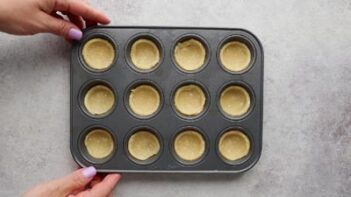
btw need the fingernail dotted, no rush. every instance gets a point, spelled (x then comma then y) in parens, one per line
(75, 34)
(89, 172)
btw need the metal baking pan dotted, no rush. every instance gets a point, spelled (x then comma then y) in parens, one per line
(166, 123)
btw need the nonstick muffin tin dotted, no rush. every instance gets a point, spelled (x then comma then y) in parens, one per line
(215, 124)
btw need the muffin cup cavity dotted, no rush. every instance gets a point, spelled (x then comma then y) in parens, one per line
(236, 54)
(98, 53)
(143, 99)
(235, 100)
(190, 53)
(189, 146)
(234, 146)
(144, 53)
(97, 99)
(143, 146)
(190, 100)
(97, 144)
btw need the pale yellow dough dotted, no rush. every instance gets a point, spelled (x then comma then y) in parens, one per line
(143, 145)
(144, 54)
(98, 53)
(99, 143)
(189, 145)
(190, 100)
(190, 55)
(235, 56)
(235, 101)
(99, 100)
(144, 100)
(234, 145)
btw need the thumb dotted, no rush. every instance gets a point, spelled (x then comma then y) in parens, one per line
(76, 180)
(62, 28)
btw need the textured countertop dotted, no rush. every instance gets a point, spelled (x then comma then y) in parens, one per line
(307, 105)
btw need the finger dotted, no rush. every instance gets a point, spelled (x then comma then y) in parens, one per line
(54, 14)
(77, 20)
(76, 181)
(61, 27)
(106, 186)
(97, 179)
(82, 9)
(89, 23)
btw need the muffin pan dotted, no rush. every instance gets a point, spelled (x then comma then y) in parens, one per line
(167, 99)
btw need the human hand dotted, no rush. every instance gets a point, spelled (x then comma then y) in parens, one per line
(28, 17)
(77, 185)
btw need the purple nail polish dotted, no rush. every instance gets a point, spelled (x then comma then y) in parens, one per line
(75, 34)
(89, 172)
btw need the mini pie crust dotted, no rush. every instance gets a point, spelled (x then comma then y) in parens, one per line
(144, 54)
(190, 55)
(189, 145)
(99, 143)
(98, 53)
(235, 56)
(235, 101)
(143, 145)
(234, 145)
(190, 100)
(144, 100)
(99, 100)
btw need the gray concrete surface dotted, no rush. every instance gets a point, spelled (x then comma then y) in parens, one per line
(307, 105)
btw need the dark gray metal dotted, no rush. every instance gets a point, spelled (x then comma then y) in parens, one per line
(166, 123)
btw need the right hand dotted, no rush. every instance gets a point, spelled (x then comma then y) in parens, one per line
(81, 183)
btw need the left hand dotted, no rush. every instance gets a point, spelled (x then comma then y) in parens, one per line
(28, 17)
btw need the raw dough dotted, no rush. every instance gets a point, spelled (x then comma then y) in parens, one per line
(143, 145)
(234, 145)
(190, 100)
(190, 55)
(189, 145)
(144, 100)
(235, 101)
(98, 53)
(144, 54)
(99, 143)
(99, 100)
(235, 56)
